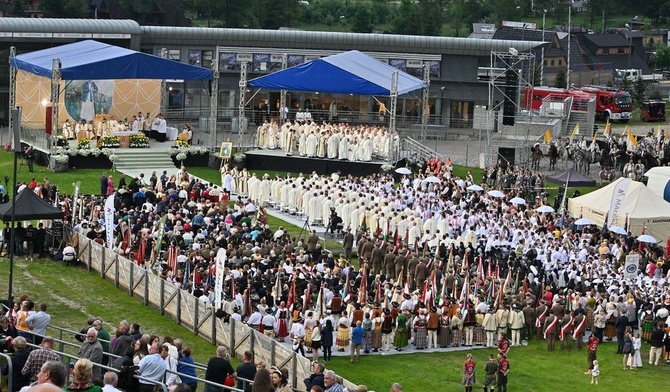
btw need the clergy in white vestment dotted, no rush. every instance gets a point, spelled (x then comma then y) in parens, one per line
(333, 145)
(311, 145)
(343, 149)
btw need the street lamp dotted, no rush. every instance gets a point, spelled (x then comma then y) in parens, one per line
(544, 18)
(630, 49)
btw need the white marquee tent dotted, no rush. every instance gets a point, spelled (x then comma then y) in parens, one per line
(642, 207)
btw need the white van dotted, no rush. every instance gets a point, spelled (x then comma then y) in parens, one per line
(657, 180)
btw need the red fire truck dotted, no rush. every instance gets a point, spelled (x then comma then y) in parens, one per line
(611, 103)
(534, 97)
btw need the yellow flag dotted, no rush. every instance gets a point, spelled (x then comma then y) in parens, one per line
(631, 138)
(608, 128)
(574, 132)
(547, 136)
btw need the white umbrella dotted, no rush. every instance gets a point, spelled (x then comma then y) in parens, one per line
(432, 179)
(496, 194)
(584, 222)
(618, 230)
(474, 188)
(518, 200)
(403, 170)
(545, 209)
(647, 238)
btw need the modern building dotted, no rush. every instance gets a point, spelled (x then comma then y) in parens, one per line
(455, 65)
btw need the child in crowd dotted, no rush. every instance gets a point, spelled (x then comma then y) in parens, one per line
(595, 372)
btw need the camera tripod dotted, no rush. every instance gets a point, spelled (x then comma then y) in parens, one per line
(305, 228)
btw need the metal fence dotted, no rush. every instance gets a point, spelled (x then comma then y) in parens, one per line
(188, 311)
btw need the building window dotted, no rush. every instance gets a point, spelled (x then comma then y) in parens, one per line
(552, 63)
(545, 63)
(207, 56)
(174, 54)
(560, 62)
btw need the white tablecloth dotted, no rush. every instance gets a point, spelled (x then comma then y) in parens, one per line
(124, 133)
(172, 133)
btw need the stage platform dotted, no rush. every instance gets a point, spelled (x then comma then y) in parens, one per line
(277, 160)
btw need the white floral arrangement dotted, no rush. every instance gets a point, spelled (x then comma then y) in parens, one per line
(106, 151)
(239, 157)
(178, 150)
(84, 152)
(95, 152)
(199, 150)
(113, 158)
(386, 167)
(61, 158)
(61, 151)
(181, 156)
(72, 152)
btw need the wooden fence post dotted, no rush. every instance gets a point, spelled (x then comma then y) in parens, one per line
(90, 256)
(213, 332)
(146, 287)
(131, 279)
(232, 335)
(196, 313)
(162, 298)
(102, 263)
(179, 307)
(116, 272)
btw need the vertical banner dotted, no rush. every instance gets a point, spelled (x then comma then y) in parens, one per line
(220, 260)
(618, 197)
(632, 264)
(109, 221)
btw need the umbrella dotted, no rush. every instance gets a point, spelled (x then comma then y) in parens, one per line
(545, 209)
(518, 200)
(618, 230)
(432, 179)
(496, 194)
(647, 238)
(584, 222)
(474, 188)
(403, 170)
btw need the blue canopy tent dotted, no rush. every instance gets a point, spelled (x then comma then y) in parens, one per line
(90, 59)
(351, 72)
(96, 60)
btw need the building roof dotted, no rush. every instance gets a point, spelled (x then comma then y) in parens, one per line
(57, 25)
(607, 40)
(154, 35)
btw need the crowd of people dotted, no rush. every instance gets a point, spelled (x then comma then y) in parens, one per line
(441, 265)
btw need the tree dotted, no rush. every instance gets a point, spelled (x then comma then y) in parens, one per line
(639, 91)
(561, 79)
(64, 8)
(661, 58)
(362, 19)
(537, 75)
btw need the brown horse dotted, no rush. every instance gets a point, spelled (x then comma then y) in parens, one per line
(535, 156)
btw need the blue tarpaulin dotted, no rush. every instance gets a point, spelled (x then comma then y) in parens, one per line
(90, 59)
(351, 72)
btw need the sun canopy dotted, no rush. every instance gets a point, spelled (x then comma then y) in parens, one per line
(90, 59)
(351, 72)
(29, 207)
(572, 177)
(640, 205)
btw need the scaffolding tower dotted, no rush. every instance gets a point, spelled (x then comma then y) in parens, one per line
(520, 65)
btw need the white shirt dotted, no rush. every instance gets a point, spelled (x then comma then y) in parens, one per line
(110, 388)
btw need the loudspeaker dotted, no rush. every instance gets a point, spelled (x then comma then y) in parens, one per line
(506, 155)
(511, 90)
